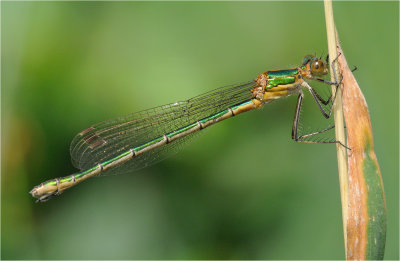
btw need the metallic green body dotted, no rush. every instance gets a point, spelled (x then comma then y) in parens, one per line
(178, 131)
(281, 77)
(283, 73)
(214, 116)
(241, 104)
(147, 144)
(280, 81)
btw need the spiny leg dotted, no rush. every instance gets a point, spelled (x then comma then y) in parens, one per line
(322, 100)
(318, 99)
(296, 120)
(297, 116)
(301, 138)
(316, 133)
(325, 102)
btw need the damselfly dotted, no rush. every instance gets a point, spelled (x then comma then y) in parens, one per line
(141, 139)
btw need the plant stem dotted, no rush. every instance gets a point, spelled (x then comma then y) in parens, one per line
(338, 114)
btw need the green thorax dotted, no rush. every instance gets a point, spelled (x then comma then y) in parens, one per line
(281, 77)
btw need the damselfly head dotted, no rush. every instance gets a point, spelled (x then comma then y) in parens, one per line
(318, 67)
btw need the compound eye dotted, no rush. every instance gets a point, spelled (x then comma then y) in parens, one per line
(318, 68)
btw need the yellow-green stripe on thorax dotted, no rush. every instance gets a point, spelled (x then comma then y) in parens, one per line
(281, 77)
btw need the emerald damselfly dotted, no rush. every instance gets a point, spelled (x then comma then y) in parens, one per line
(141, 139)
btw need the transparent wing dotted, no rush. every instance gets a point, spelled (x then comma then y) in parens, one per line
(151, 157)
(105, 140)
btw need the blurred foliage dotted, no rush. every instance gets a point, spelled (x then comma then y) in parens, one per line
(244, 190)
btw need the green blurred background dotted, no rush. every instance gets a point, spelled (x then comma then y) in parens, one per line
(244, 189)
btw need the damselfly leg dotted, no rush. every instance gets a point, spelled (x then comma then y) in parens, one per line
(322, 103)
